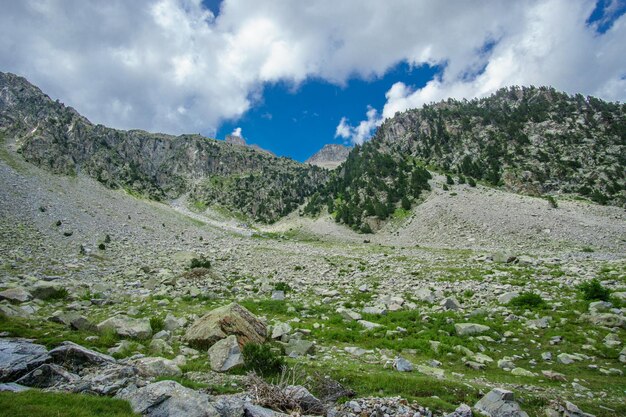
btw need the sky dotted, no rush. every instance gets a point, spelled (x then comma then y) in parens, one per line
(291, 76)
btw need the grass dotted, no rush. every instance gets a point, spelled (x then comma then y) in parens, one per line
(52, 334)
(35, 403)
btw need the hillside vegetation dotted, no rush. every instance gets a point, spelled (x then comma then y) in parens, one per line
(534, 141)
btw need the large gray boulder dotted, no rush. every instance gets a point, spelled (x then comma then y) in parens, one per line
(16, 295)
(48, 375)
(222, 322)
(125, 326)
(75, 357)
(20, 356)
(499, 403)
(467, 329)
(225, 354)
(168, 399)
(155, 366)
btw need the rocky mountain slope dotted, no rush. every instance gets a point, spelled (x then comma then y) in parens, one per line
(56, 137)
(534, 141)
(330, 156)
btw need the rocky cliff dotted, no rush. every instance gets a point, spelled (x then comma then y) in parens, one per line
(330, 156)
(57, 138)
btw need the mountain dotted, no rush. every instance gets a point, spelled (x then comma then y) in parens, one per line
(238, 140)
(529, 140)
(57, 138)
(330, 156)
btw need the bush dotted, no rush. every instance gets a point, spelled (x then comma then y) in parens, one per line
(552, 201)
(157, 324)
(528, 300)
(593, 290)
(471, 182)
(449, 180)
(262, 359)
(282, 286)
(200, 263)
(101, 246)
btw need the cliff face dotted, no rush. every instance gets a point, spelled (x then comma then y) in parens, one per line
(160, 166)
(330, 156)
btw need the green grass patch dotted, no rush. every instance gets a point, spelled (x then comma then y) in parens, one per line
(35, 403)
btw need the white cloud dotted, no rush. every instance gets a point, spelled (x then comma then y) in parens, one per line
(361, 132)
(170, 65)
(237, 132)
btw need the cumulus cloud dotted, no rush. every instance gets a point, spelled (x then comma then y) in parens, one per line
(237, 132)
(361, 132)
(171, 65)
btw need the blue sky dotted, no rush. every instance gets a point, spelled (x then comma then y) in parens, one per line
(294, 75)
(298, 122)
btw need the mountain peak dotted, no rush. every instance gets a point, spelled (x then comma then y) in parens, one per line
(330, 156)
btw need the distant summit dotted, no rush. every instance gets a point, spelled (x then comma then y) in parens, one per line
(330, 156)
(240, 141)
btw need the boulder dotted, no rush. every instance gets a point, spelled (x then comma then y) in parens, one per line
(125, 326)
(13, 387)
(567, 409)
(109, 379)
(20, 356)
(499, 403)
(450, 303)
(16, 295)
(466, 329)
(507, 297)
(45, 290)
(521, 372)
(307, 401)
(431, 371)
(297, 347)
(72, 319)
(402, 365)
(48, 375)
(280, 329)
(607, 320)
(155, 366)
(172, 323)
(463, 410)
(222, 322)
(225, 354)
(348, 314)
(168, 399)
(76, 357)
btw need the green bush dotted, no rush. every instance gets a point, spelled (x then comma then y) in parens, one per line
(593, 290)
(282, 286)
(200, 263)
(157, 324)
(528, 300)
(449, 180)
(552, 202)
(262, 359)
(471, 182)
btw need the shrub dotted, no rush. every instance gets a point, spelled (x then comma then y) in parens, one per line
(107, 239)
(366, 228)
(200, 263)
(593, 290)
(282, 286)
(471, 182)
(449, 180)
(157, 324)
(262, 359)
(445, 187)
(552, 202)
(528, 300)
(101, 246)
